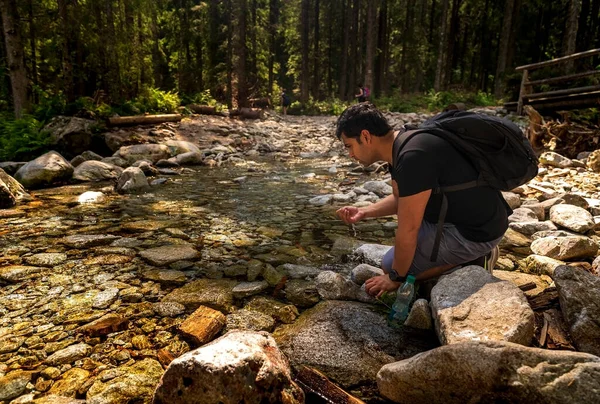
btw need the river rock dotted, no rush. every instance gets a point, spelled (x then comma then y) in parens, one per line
(189, 158)
(214, 293)
(11, 167)
(371, 254)
(249, 320)
(168, 309)
(555, 160)
(285, 313)
(105, 298)
(18, 273)
(81, 241)
(132, 179)
(593, 161)
(334, 286)
(11, 191)
(71, 135)
(96, 171)
(301, 292)
(14, 384)
(177, 147)
(470, 305)
(152, 152)
(362, 272)
(295, 271)
(133, 383)
(321, 200)
(530, 228)
(69, 355)
(202, 325)
(105, 325)
(241, 366)
(45, 170)
(539, 265)
(579, 294)
(246, 289)
(513, 200)
(348, 341)
(70, 382)
(492, 372)
(165, 255)
(419, 316)
(380, 188)
(523, 215)
(565, 248)
(572, 217)
(46, 259)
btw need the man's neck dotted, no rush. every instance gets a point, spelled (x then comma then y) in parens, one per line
(387, 146)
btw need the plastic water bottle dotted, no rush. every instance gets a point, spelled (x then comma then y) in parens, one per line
(400, 307)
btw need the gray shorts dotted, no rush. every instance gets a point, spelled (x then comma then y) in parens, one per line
(454, 249)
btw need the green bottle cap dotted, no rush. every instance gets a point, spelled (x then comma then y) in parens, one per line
(410, 279)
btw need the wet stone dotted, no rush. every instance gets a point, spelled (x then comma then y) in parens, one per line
(70, 382)
(249, 320)
(10, 344)
(105, 325)
(87, 241)
(46, 259)
(14, 384)
(105, 298)
(166, 255)
(246, 289)
(69, 354)
(109, 259)
(18, 273)
(166, 277)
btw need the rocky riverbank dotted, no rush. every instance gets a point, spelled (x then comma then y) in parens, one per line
(220, 235)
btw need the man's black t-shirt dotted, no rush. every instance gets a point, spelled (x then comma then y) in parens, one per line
(426, 162)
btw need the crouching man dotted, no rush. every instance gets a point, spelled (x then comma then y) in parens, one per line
(475, 220)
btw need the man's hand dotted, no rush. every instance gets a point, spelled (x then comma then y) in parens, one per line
(350, 214)
(378, 285)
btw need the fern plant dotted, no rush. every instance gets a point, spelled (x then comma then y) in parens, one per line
(22, 139)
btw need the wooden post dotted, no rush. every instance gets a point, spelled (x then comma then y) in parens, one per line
(522, 91)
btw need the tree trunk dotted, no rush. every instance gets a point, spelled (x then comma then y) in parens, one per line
(431, 21)
(273, 22)
(354, 49)
(484, 48)
(304, 28)
(67, 64)
(453, 40)
(382, 44)
(15, 56)
(513, 35)
(316, 55)
(570, 37)
(507, 26)
(583, 34)
(229, 8)
(242, 90)
(343, 87)
(371, 43)
(406, 45)
(32, 43)
(442, 50)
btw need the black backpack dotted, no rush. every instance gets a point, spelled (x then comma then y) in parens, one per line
(496, 147)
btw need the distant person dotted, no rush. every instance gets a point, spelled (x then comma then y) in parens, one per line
(285, 102)
(363, 93)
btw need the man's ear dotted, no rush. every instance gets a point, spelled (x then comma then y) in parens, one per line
(365, 135)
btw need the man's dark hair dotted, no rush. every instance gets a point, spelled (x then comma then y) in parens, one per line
(362, 116)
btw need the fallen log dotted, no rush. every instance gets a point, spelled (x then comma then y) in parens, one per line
(202, 109)
(143, 119)
(315, 382)
(247, 113)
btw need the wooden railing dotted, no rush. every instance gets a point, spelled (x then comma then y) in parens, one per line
(526, 93)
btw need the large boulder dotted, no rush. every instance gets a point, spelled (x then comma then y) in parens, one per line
(71, 135)
(348, 341)
(492, 372)
(471, 305)
(579, 294)
(93, 170)
(11, 191)
(45, 170)
(152, 152)
(181, 146)
(241, 366)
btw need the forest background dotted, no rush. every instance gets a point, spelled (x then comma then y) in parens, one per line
(137, 56)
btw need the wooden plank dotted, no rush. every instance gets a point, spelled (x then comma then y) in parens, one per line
(315, 382)
(564, 78)
(534, 66)
(527, 286)
(143, 119)
(522, 91)
(568, 91)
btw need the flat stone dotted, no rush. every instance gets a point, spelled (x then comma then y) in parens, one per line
(334, 286)
(105, 298)
(285, 313)
(492, 372)
(18, 273)
(519, 279)
(82, 241)
(579, 294)
(46, 259)
(202, 325)
(11, 344)
(572, 217)
(165, 255)
(69, 355)
(70, 382)
(214, 293)
(14, 384)
(147, 225)
(108, 259)
(105, 325)
(165, 277)
(168, 309)
(362, 272)
(371, 254)
(246, 289)
(295, 271)
(302, 292)
(470, 305)
(249, 320)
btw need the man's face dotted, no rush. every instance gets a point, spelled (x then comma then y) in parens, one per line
(362, 152)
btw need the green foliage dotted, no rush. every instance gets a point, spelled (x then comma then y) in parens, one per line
(49, 105)
(434, 101)
(151, 100)
(313, 107)
(22, 139)
(201, 98)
